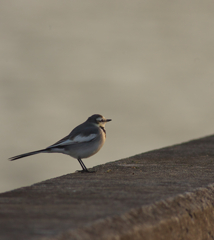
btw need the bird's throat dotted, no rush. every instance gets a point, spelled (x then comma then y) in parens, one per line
(103, 129)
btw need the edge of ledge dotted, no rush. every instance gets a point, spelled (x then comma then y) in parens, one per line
(185, 216)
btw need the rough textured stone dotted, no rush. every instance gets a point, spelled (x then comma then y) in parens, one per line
(162, 194)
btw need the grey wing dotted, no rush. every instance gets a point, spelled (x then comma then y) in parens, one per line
(79, 134)
(85, 130)
(60, 141)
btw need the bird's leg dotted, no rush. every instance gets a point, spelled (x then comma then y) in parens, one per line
(84, 168)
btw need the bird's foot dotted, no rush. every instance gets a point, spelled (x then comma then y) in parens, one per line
(86, 171)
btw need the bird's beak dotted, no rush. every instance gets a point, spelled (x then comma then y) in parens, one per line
(108, 120)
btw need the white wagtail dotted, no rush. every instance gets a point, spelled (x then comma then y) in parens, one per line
(84, 141)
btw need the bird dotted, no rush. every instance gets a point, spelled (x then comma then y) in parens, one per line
(83, 141)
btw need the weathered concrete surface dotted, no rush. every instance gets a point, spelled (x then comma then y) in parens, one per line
(162, 194)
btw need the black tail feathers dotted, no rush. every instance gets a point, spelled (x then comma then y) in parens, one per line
(27, 154)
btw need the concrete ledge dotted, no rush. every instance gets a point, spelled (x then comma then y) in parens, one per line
(162, 194)
(188, 216)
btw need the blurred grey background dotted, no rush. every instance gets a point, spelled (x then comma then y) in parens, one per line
(148, 65)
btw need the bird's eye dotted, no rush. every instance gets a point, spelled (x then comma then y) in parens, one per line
(100, 120)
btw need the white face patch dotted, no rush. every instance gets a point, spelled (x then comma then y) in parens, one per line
(99, 119)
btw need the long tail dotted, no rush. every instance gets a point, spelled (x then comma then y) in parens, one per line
(27, 154)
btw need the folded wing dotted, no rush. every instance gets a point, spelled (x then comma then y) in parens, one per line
(77, 139)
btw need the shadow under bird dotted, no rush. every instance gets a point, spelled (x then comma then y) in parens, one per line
(84, 141)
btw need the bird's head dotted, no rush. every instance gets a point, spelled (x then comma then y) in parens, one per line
(98, 119)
